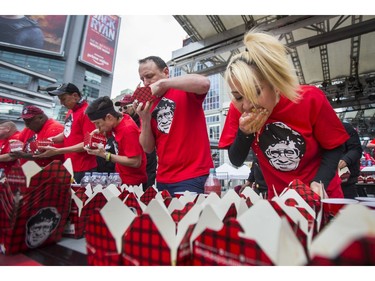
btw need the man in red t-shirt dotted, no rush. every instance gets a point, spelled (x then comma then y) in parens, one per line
(77, 124)
(8, 133)
(38, 127)
(175, 125)
(130, 159)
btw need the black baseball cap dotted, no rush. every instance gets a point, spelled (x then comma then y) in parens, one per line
(64, 88)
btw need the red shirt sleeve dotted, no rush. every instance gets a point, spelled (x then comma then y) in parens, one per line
(230, 127)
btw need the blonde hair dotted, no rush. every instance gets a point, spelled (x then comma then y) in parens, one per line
(265, 59)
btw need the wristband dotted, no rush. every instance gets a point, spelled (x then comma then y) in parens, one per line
(107, 156)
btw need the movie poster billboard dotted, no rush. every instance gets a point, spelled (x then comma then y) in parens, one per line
(42, 34)
(100, 42)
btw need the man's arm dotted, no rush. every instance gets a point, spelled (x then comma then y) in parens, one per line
(192, 83)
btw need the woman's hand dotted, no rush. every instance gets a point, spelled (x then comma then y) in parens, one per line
(253, 122)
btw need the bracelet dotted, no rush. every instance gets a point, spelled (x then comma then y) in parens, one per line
(108, 156)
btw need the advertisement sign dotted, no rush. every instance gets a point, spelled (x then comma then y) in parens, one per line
(100, 42)
(42, 34)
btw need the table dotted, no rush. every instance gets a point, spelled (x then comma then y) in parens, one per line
(67, 252)
(368, 188)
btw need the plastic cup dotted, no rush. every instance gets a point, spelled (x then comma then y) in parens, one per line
(333, 205)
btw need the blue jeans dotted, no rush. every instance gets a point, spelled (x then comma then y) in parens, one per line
(192, 185)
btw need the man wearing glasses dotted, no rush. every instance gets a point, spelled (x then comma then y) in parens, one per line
(126, 107)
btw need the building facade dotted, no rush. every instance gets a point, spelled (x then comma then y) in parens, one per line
(78, 49)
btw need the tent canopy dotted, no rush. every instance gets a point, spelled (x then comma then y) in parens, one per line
(227, 172)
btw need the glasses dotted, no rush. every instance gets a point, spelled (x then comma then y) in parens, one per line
(125, 107)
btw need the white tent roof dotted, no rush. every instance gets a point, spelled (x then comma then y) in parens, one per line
(227, 171)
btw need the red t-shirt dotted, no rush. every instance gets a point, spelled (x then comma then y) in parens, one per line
(304, 127)
(77, 123)
(290, 144)
(50, 129)
(126, 143)
(182, 145)
(4, 149)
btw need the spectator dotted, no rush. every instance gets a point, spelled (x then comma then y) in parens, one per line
(8, 132)
(130, 159)
(37, 127)
(351, 159)
(77, 124)
(125, 106)
(256, 179)
(371, 146)
(286, 125)
(176, 126)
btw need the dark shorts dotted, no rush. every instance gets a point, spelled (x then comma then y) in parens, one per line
(192, 185)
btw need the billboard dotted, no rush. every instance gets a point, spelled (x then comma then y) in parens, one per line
(100, 42)
(43, 34)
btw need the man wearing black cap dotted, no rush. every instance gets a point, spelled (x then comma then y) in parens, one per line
(126, 106)
(77, 124)
(38, 128)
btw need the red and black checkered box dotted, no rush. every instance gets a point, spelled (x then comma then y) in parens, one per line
(33, 211)
(143, 95)
(82, 208)
(94, 141)
(142, 241)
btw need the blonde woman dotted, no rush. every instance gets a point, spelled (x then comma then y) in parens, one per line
(292, 128)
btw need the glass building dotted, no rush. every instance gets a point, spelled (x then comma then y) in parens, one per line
(77, 49)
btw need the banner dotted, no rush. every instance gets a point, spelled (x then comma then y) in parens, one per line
(100, 42)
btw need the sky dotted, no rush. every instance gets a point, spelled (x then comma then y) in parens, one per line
(142, 36)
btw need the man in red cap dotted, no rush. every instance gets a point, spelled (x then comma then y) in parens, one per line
(126, 106)
(77, 124)
(38, 127)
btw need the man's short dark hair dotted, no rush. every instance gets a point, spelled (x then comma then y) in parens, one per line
(100, 107)
(46, 214)
(160, 63)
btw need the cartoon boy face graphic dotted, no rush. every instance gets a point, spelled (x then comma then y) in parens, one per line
(283, 146)
(163, 113)
(40, 226)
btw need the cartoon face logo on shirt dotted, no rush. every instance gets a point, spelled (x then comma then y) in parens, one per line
(40, 226)
(115, 144)
(163, 114)
(283, 147)
(68, 126)
(27, 148)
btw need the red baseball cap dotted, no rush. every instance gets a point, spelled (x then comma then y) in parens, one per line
(127, 99)
(30, 111)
